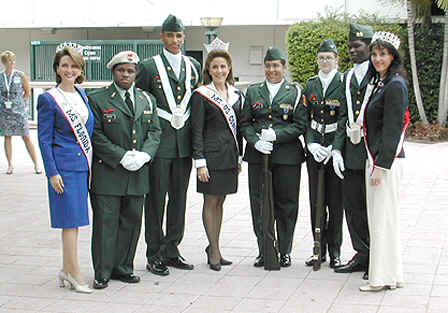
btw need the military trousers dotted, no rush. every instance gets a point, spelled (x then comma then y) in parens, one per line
(285, 184)
(116, 229)
(354, 193)
(166, 176)
(333, 213)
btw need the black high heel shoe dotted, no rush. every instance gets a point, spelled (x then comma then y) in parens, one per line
(223, 261)
(215, 267)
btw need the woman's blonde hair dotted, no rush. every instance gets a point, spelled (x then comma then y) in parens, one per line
(76, 57)
(7, 55)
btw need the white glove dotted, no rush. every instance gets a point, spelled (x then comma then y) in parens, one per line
(328, 149)
(264, 147)
(338, 163)
(140, 159)
(319, 153)
(127, 161)
(268, 135)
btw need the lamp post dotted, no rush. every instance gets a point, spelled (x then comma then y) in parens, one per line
(211, 24)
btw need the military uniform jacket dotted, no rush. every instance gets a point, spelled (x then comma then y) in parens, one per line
(324, 110)
(385, 121)
(282, 114)
(174, 143)
(116, 131)
(212, 138)
(354, 155)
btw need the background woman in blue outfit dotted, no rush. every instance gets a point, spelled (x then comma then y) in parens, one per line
(65, 124)
(385, 121)
(217, 145)
(14, 90)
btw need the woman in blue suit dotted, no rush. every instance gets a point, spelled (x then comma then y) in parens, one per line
(65, 124)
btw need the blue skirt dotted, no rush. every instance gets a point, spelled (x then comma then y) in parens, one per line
(70, 209)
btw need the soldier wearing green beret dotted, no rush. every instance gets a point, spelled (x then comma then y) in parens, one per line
(171, 78)
(357, 92)
(272, 121)
(125, 139)
(324, 94)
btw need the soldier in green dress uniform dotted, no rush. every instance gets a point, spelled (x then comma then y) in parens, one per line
(171, 78)
(357, 92)
(272, 121)
(125, 139)
(324, 94)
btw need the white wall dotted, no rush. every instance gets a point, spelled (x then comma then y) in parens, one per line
(240, 37)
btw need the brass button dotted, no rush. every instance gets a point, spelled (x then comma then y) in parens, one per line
(358, 92)
(270, 124)
(78, 154)
(133, 131)
(134, 141)
(321, 119)
(322, 102)
(269, 116)
(322, 111)
(358, 102)
(179, 97)
(357, 112)
(160, 86)
(133, 149)
(178, 88)
(270, 107)
(100, 161)
(169, 68)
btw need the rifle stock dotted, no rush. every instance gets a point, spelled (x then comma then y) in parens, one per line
(270, 248)
(320, 207)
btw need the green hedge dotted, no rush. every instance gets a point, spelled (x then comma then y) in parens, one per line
(303, 40)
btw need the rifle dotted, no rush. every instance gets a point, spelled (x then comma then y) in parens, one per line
(270, 248)
(320, 207)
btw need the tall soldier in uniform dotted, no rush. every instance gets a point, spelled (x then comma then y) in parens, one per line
(271, 123)
(170, 77)
(324, 94)
(357, 93)
(125, 139)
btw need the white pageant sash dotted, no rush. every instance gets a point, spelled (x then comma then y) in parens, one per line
(75, 122)
(354, 131)
(211, 95)
(178, 116)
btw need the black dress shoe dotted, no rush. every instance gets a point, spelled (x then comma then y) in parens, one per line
(285, 260)
(127, 278)
(259, 261)
(100, 283)
(365, 276)
(156, 267)
(178, 262)
(352, 266)
(310, 261)
(335, 262)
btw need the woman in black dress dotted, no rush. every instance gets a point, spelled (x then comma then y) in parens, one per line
(217, 145)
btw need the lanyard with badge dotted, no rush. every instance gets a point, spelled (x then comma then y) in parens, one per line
(8, 103)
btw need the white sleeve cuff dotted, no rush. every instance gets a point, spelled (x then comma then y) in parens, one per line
(200, 163)
(240, 159)
(382, 168)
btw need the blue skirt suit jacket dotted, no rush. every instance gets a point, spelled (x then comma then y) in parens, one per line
(62, 155)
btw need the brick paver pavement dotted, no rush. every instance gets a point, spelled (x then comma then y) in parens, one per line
(30, 255)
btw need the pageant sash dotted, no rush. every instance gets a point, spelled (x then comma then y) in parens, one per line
(75, 122)
(209, 92)
(178, 116)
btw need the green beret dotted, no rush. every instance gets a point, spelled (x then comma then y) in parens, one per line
(359, 32)
(328, 45)
(172, 24)
(274, 53)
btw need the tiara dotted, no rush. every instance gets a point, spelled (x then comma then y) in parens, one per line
(391, 38)
(72, 45)
(217, 44)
